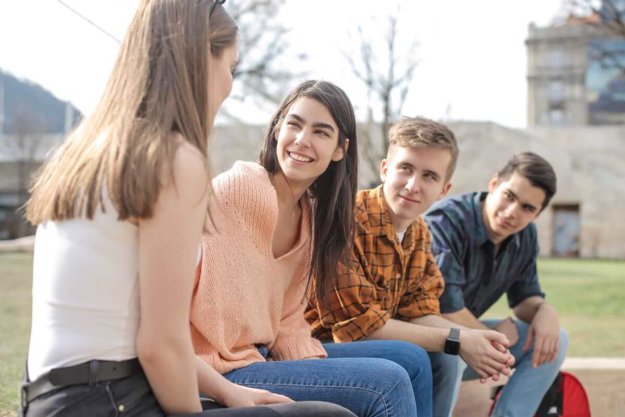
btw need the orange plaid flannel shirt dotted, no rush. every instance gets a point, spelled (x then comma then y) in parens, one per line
(385, 279)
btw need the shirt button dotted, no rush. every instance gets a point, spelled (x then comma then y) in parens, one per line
(121, 408)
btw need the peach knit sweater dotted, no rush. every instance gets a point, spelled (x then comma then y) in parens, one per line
(244, 296)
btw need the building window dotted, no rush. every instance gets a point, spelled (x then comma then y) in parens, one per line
(557, 116)
(566, 230)
(555, 59)
(556, 91)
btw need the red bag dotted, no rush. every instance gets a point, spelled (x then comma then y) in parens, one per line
(566, 397)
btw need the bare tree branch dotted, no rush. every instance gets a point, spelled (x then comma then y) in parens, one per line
(386, 69)
(263, 47)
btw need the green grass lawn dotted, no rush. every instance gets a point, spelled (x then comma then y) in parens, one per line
(590, 296)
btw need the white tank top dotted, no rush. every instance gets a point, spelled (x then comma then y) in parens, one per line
(85, 292)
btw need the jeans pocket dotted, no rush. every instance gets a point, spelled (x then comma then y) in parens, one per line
(133, 396)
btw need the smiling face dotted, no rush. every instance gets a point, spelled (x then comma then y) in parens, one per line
(307, 141)
(414, 178)
(511, 205)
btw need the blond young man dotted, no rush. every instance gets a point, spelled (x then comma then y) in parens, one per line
(392, 285)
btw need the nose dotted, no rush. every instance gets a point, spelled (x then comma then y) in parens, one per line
(301, 138)
(511, 210)
(412, 185)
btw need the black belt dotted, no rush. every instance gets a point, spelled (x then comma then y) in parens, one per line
(85, 373)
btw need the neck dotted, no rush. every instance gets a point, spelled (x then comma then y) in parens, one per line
(496, 239)
(288, 194)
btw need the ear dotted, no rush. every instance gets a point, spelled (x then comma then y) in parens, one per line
(492, 184)
(340, 152)
(383, 169)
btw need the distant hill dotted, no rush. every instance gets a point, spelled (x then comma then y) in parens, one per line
(31, 106)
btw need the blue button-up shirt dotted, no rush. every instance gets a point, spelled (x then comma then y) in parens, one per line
(475, 277)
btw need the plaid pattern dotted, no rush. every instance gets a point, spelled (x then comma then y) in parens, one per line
(385, 279)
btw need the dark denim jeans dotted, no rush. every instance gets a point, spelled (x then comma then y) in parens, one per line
(133, 396)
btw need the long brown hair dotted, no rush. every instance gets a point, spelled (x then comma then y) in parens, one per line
(333, 194)
(159, 86)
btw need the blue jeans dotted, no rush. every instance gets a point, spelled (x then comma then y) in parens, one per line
(360, 376)
(523, 393)
(409, 356)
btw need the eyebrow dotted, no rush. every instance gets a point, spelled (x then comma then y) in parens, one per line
(317, 124)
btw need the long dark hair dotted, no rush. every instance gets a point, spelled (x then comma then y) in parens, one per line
(333, 194)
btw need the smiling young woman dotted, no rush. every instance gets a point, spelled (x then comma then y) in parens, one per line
(279, 229)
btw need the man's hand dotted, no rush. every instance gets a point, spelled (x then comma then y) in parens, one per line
(486, 352)
(508, 328)
(544, 331)
(240, 396)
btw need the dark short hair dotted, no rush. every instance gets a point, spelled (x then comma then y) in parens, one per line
(536, 169)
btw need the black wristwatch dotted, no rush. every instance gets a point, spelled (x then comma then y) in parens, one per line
(452, 343)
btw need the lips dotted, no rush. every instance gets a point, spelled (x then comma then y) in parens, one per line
(503, 223)
(409, 200)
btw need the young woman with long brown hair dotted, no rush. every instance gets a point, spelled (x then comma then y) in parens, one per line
(278, 227)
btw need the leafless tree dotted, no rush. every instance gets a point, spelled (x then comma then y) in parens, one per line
(386, 66)
(263, 50)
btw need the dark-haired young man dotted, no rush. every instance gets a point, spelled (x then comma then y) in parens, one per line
(485, 245)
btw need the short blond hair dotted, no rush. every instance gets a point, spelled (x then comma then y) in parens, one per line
(416, 132)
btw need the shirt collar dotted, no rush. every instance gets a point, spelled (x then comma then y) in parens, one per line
(384, 227)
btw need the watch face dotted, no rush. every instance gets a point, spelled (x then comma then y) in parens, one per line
(452, 347)
(452, 343)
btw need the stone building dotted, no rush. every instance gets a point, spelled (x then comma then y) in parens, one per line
(575, 73)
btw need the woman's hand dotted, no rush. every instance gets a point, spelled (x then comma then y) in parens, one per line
(240, 396)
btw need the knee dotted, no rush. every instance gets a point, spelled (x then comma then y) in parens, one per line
(389, 374)
(413, 359)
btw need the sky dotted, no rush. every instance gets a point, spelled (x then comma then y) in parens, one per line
(472, 56)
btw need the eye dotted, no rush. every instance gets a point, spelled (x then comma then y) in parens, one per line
(323, 133)
(529, 209)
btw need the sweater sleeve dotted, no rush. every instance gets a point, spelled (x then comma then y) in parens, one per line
(294, 340)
